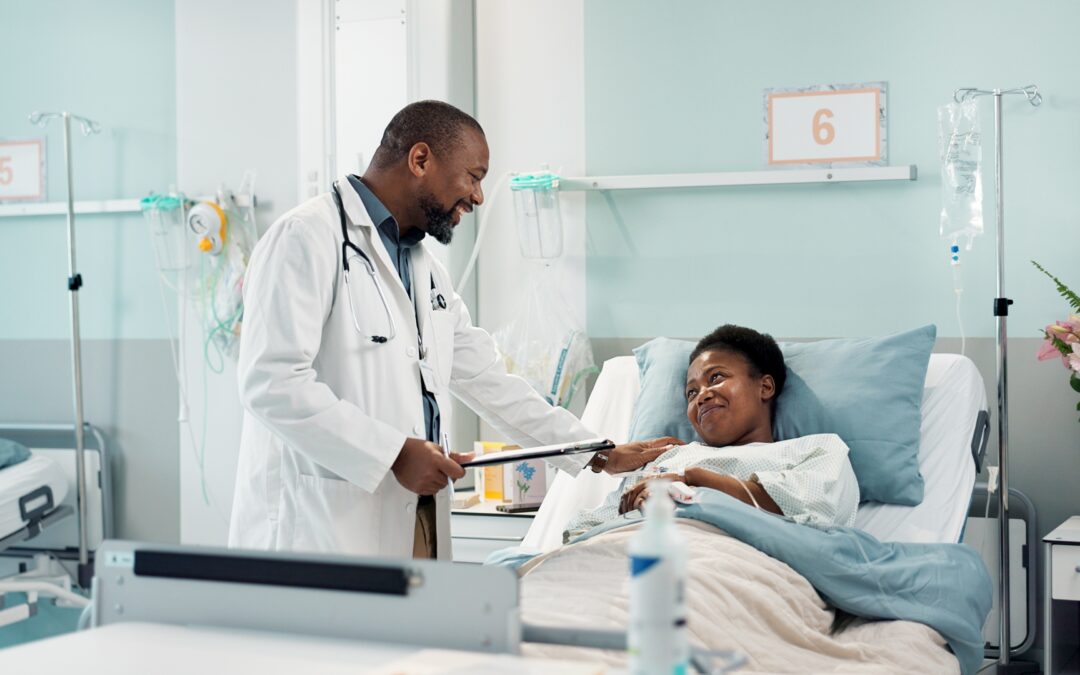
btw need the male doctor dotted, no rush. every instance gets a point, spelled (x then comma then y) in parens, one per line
(353, 340)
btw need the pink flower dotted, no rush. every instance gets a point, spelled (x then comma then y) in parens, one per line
(1065, 331)
(1048, 351)
(1074, 358)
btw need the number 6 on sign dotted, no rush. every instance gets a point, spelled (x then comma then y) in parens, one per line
(827, 124)
(824, 133)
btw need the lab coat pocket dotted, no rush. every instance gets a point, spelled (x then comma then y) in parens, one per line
(442, 356)
(335, 516)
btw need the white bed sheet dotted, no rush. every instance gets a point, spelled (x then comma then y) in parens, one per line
(952, 398)
(22, 479)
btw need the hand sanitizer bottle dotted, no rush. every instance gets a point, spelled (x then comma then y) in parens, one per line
(657, 633)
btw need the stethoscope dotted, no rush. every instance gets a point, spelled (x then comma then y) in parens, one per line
(437, 299)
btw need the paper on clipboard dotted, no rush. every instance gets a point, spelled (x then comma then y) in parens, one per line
(557, 450)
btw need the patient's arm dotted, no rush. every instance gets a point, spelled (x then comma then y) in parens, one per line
(634, 498)
(739, 489)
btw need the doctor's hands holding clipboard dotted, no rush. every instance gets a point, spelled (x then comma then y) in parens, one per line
(424, 468)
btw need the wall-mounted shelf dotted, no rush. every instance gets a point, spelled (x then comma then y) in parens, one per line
(60, 208)
(907, 172)
(94, 207)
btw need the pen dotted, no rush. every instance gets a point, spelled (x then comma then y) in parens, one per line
(446, 452)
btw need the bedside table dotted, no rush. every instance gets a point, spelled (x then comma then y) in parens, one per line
(1061, 551)
(480, 530)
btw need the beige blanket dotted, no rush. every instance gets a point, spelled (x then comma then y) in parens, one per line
(737, 598)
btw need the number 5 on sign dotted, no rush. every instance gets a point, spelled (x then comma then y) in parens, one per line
(826, 125)
(22, 170)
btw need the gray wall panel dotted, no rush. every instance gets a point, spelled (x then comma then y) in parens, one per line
(130, 393)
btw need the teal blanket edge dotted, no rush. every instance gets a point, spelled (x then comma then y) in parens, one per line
(944, 586)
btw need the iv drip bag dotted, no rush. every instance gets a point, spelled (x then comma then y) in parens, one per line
(960, 145)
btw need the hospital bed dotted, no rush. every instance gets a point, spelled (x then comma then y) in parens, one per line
(953, 436)
(180, 609)
(955, 428)
(39, 531)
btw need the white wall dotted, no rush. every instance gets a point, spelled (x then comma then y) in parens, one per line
(236, 110)
(530, 99)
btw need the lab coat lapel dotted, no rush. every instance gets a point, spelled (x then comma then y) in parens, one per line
(421, 286)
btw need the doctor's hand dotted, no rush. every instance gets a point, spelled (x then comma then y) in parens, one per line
(632, 456)
(421, 467)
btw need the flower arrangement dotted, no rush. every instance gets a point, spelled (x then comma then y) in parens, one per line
(1063, 337)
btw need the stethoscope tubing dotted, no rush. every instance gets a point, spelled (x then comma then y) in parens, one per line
(346, 246)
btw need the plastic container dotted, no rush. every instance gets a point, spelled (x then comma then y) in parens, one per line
(536, 210)
(165, 216)
(657, 637)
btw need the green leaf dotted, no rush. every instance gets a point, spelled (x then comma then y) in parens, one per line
(1078, 405)
(1074, 380)
(1072, 298)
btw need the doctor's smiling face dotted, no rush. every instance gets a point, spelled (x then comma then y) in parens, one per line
(428, 167)
(450, 184)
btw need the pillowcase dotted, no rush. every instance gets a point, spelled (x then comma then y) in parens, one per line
(11, 453)
(868, 391)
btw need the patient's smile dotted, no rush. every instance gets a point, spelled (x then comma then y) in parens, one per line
(725, 401)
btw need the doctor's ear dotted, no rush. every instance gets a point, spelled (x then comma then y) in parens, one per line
(419, 159)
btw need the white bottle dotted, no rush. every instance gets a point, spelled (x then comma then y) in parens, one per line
(657, 632)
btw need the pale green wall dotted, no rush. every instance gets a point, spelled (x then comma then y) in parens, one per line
(113, 62)
(677, 87)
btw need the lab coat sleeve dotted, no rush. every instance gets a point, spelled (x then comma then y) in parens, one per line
(288, 295)
(505, 401)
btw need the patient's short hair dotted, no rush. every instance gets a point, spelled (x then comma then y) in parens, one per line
(438, 124)
(759, 349)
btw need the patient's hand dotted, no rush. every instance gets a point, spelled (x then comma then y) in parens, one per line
(635, 497)
(633, 456)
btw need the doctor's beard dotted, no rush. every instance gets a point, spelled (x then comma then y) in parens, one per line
(440, 222)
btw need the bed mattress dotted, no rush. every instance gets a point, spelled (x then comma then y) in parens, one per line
(39, 474)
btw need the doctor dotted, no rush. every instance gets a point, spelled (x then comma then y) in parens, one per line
(353, 341)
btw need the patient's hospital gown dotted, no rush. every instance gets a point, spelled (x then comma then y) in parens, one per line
(809, 478)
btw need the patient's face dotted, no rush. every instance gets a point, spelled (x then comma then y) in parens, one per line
(726, 402)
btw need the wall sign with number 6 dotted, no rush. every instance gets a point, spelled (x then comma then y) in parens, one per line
(826, 125)
(22, 170)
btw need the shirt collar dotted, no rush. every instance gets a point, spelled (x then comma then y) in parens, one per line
(381, 216)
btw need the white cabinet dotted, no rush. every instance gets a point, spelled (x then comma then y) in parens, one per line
(480, 530)
(1062, 595)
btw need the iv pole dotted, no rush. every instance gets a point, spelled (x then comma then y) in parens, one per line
(74, 282)
(1001, 311)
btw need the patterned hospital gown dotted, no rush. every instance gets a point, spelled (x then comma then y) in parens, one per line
(809, 478)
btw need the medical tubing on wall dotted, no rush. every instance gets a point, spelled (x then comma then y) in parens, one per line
(481, 229)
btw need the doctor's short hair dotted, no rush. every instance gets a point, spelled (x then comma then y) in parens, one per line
(759, 349)
(438, 124)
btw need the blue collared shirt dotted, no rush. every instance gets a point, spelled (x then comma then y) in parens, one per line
(398, 247)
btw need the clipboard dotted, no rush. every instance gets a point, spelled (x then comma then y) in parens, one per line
(558, 450)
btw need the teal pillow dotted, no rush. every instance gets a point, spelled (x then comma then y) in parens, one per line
(867, 391)
(11, 453)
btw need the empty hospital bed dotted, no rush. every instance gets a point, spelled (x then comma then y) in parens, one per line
(39, 528)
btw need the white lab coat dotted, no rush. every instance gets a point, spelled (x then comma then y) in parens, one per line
(327, 411)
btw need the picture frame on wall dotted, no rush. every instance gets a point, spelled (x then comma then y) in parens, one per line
(826, 125)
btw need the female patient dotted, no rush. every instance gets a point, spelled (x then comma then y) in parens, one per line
(733, 381)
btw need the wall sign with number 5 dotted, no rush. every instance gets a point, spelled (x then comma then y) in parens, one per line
(826, 125)
(22, 170)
